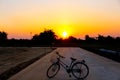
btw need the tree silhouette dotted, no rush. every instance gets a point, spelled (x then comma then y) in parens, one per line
(101, 38)
(72, 39)
(46, 37)
(89, 39)
(35, 37)
(106, 39)
(3, 36)
(110, 39)
(117, 39)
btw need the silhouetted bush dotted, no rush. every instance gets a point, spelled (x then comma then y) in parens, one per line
(89, 39)
(46, 37)
(3, 36)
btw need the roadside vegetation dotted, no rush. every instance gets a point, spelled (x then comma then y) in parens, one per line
(107, 46)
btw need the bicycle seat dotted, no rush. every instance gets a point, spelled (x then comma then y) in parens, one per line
(73, 59)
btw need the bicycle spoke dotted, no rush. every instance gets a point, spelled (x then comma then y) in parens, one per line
(80, 70)
(53, 70)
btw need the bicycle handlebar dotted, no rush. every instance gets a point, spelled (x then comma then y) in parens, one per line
(60, 55)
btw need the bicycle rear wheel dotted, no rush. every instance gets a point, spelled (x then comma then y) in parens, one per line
(80, 70)
(53, 70)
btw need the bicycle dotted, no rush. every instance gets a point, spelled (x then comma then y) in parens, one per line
(78, 68)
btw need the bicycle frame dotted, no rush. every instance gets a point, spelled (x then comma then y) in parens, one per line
(65, 66)
(74, 67)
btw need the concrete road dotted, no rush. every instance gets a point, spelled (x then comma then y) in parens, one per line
(100, 67)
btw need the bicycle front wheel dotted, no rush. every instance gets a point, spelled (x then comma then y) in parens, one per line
(53, 70)
(80, 70)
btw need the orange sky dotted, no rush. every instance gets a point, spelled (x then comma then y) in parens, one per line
(19, 18)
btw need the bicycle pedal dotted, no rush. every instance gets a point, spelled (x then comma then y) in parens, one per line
(69, 75)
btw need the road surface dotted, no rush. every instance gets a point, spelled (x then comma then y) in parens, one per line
(100, 67)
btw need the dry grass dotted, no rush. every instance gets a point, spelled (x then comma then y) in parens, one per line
(12, 56)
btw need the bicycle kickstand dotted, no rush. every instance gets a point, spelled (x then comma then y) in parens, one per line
(70, 75)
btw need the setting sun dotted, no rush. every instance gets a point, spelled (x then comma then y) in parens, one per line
(64, 34)
(67, 18)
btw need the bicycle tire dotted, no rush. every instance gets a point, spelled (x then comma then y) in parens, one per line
(51, 68)
(80, 71)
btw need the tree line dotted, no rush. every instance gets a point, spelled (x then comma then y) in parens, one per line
(48, 37)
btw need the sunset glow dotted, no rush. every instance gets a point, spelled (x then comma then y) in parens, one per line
(24, 18)
(64, 34)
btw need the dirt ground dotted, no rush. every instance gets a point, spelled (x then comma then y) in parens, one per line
(12, 56)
